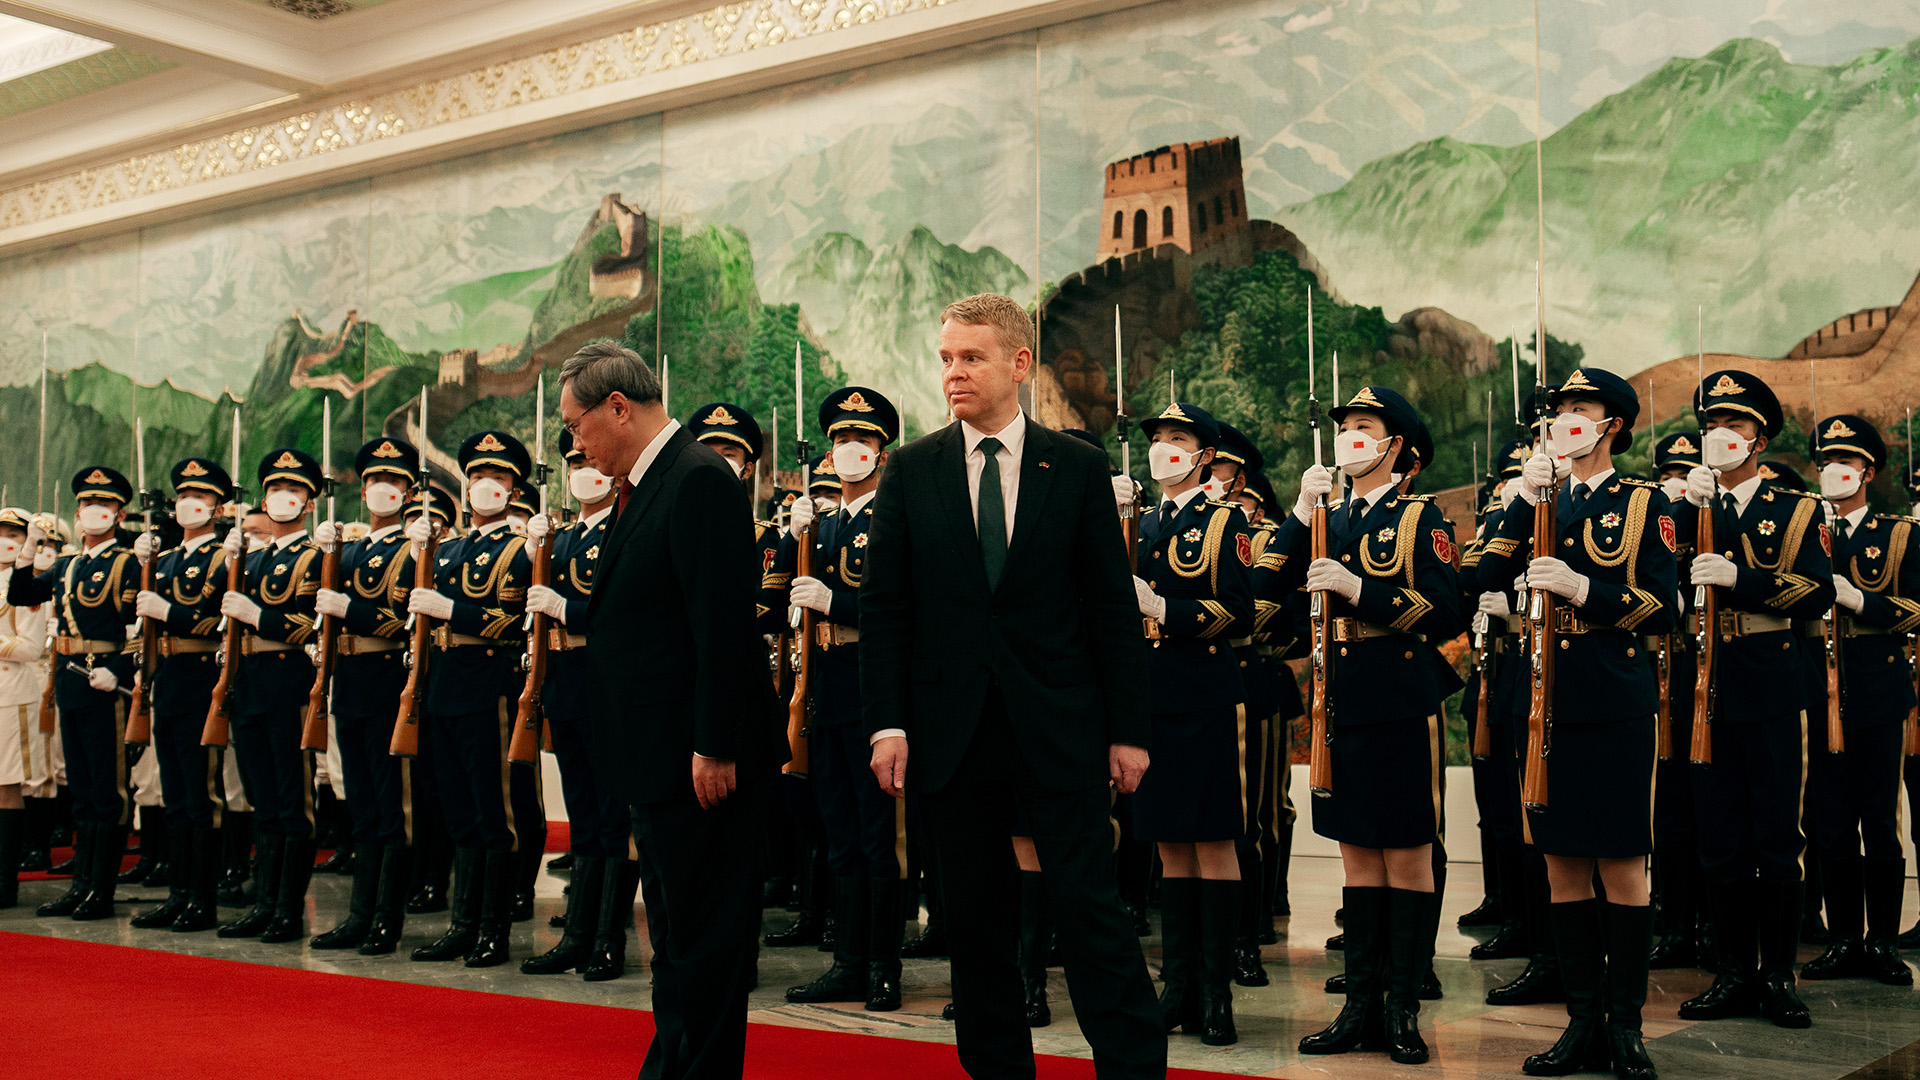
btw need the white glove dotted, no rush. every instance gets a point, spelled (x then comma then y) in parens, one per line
(1700, 485)
(330, 603)
(431, 604)
(1562, 467)
(1509, 491)
(236, 606)
(799, 515)
(1712, 568)
(1495, 604)
(1535, 476)
(1848, 595)
(1316, 481)
(149, 604)
(235, 545)
(35, 534)
(103, 680)
(1152, 604)
(1329, 576)
(326, 536)
(811, 593)
(420, 529)
(145, 546)
(1559, 579)
(1125, 491)
(544, 601)
(538, 528)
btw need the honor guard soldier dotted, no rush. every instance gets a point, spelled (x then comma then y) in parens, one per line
(521, 506)
(185, 601)
(825, 487)
(376, 573)
(1614, 573)
(1855, 786)
(605, 875)
(1676, 857)
(493, 812)
(1771, 565)
(93, 594)
(1194, 596)
(1276, 640)
(275, 604)
(1390, 581)
(865, 828)
(23, 639)
(732, 433)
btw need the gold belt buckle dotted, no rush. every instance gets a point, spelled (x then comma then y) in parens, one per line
(440, 637)
(1150, 628)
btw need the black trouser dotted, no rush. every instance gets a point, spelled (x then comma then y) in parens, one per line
(968, 822)
(190, 774)
(598, 823)
(865, 828)
(488, 804)
(701, 875)
(279, 774)
(1857, 790)
(1747, 802)
(380, 786)
(93, 736)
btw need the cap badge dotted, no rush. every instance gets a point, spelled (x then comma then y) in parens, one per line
(1684, 445)
(1725, 386)
(489, 443)
(856, 402)
(1577, 379)
(387, 450)
(1839, 430)
(1364, 397)
(721, 416)
(193, 468)
(286, 460)
(97, 477)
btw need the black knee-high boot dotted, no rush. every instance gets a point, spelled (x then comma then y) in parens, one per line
(1035, 934)
(1247, 968)
(1676, 877)
(846, 979)
(179, 880)
(36, 853)
(1509, 885)
(1735, 989)
(351, 932)
(153, 847)
(1844, 889)
(237, 841)
(266, 887)
(1540, 982)
(109, 848)
(885, 927)
(1412, 918)
(13, 828)
(1219, 919)
(583, 918)
(1779, 915)
(502, 870)
(1361, 1023)
(1577, 941)
(77, 890)
(389, 900)
(290, 899)
(1180, 954)
(1488, 912)
(1885, 881)
(608, 957)
(1629, 931)
(202, 912)
(463, 909)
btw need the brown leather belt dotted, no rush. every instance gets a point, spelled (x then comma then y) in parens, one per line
(1566, 622)
(174, 645)
(827, 635)
(444, 638)
(1351, 629)
(1240, 642)
(1849, 628)
(1735, 624)
(73, 646)
(358, 645)
(255, 645)
(559, 640)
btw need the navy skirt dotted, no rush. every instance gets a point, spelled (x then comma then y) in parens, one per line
(1599, 791)
(1197, 788)
(1387, 781)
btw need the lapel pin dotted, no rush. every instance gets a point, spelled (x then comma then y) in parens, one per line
(1046, 464)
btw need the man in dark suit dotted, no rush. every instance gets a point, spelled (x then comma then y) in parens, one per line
(1002, 642)
(681, 711)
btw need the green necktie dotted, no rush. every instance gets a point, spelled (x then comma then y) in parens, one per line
(991, 518)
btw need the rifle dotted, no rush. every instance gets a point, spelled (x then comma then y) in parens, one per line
(140, 710)
(1830, 621)
(313, 734)
(1319, 614)
(1913, 644)
(49, 716)
(800, 705)
(1482, 729)
(1540, 616)
(524, 749)
(1706, 598)
(1130, 513)
(217, 731)
(406, 724)
(777, 652)
(1663, 652)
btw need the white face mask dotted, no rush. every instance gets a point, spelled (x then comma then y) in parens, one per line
(43, 559)
(1574, 435)
(855, 460)
(1839, 481)
(1167, 462)
(255, 543)
(1353, 449)
(517, 524)
(9, 551)
(589, 484)
(383, 500)
(192, 513)
(1726, 448)
(825, 504)
(1674, 486)
(285, 506)
(487, 496)
(95, 520)
(1218, 490)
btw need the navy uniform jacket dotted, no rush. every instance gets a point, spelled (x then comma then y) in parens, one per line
(192, 583)
(1876, 684)
(485, 574)
(1199, 561)
(92, 598)
(767, 540)
(1780, 546)
(576, 551)
(1275, 579)
(1402, 551)
(283, 581)
(1622, 539)
(376, 573)
(839, 561)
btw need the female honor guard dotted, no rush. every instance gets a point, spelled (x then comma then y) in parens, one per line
(1771, 566)
(1390, 582)
(605, 875)
(23, 638)
(186, 602)
(276, 605)
(369, 674)
(1615, 576)
(1195, 597)
(1855, 787)
(493, 811)
(93, 594)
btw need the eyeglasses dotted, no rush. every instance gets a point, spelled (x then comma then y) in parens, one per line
(573, 427)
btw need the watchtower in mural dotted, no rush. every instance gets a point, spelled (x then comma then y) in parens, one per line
(1189, 195)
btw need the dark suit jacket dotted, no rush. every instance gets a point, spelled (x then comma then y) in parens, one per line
(1061, 633)
(675, 665)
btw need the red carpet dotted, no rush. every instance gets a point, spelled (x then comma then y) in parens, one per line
(113, 1011)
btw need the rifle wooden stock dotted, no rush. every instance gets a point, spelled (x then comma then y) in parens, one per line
(800, 705)
(1320, 623)
(313, 734)
(1482, 733)
(524, 748)
(218, 730)
(1830, 633)
(1130, 531)
(1540, 646)
(1706, 603)
(140, 709)
(49, 715)
(1663, 720)
(406, 724)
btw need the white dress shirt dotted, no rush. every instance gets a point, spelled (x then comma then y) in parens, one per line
(652, 451)
(1743, 494)
(1012, 438)
(382, 531)
(1594, 483)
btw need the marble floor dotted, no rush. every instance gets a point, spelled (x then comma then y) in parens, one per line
(1860, 1028)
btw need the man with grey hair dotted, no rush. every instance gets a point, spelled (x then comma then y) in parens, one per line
(682, 715)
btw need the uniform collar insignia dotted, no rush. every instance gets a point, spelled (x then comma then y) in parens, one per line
(387, 450)
(856, 402)
(1725, 386)
(286, 460)
(193, 468)
(489, 443)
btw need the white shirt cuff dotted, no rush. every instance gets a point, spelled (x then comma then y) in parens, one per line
(887, 733)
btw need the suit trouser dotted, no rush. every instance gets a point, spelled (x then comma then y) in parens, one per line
(279, 774)
(1747, 802)
(700, 875)
(489, 803)
(866, 828)
(94, 736)
(1858, 791)
(379, 785)
(968, 822)
(598, 823)
(189, 772)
